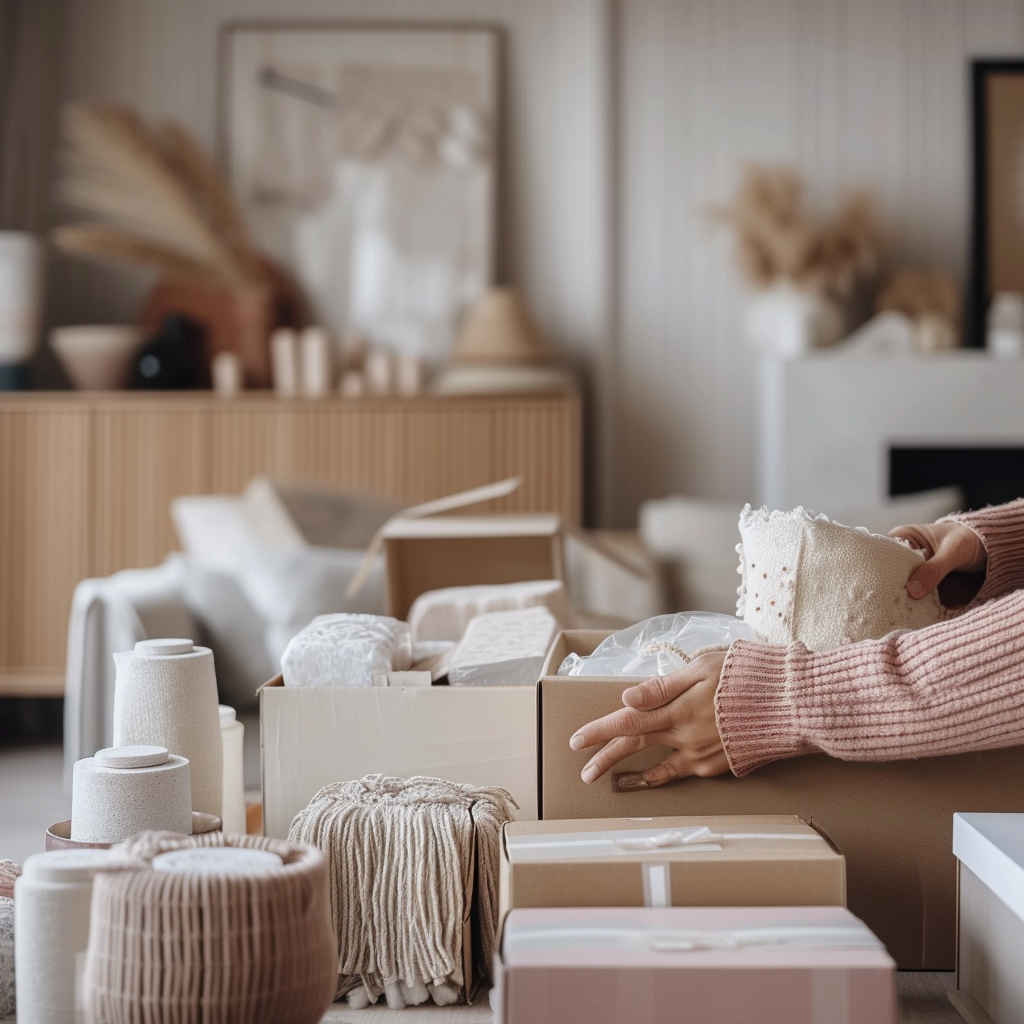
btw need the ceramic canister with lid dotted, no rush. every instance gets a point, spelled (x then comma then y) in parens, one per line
(232, 734)
(165, 694)
(124, 790)
(52, 901)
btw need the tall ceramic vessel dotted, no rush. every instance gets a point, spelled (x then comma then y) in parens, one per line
(165, 695)
(21, 289)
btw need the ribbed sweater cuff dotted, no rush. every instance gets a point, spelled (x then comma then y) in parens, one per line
(754, 707)
(1001, 529)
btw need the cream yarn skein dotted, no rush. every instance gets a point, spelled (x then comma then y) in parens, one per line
(405, 856)
(165, 694)
(208, 936)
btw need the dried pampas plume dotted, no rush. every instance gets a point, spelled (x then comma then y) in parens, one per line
(154, 196)
(777, 239)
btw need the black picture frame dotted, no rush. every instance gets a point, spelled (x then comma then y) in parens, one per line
(980, 289)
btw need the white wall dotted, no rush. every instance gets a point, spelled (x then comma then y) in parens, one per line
(626, 118)
(161, 57)
(847, 91)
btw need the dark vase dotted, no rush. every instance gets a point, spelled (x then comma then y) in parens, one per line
(173, 358)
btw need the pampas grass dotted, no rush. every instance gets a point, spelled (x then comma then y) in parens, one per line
(777, 239)
(155, 198)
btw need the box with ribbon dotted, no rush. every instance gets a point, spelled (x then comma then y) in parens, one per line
(738, 860)
(646, 965)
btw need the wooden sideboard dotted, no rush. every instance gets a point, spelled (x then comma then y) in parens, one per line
(86, 479)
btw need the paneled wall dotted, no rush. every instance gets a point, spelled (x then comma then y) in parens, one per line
(625, 119)
(848, 91)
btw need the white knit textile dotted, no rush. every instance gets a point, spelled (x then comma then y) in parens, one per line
(6, 956)
(807, 578)
(444, 614)
(503, 648)
(406, 857)
(346, 650)
(170, 700)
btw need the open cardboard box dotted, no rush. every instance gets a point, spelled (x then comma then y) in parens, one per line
(313, 736)
(892, 821)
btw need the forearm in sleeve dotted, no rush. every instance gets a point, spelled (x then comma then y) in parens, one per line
(953, 687)
(1001, 529)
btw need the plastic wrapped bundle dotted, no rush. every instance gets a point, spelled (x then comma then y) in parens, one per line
(346, 650)
(659, 646)
(409, 859)
(503, 648)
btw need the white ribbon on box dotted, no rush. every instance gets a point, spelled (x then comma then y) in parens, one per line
(657, 878)
(576, 845)
(852, 935)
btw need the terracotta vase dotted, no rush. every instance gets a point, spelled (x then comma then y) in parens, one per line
(239, 320)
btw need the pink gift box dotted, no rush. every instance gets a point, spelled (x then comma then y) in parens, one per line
(709, 965)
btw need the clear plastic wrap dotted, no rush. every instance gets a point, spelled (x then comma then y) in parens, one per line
(658, 646)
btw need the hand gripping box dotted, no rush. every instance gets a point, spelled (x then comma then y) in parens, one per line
(716, 965)
(893, 821)
(750, 860)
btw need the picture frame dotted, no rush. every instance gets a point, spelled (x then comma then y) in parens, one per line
(367, 158)
(997, 199)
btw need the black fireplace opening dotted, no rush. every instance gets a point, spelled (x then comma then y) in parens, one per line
(987, 476)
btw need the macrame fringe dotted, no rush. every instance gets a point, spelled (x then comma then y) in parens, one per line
(408, 861)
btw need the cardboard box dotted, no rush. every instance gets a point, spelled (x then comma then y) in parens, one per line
(458, 551)
(892, 821)
(767, 860)
(312, 736)
(716, 965)
(990, 921)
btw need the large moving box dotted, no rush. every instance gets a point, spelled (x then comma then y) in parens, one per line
(893, 822)
(313, 736)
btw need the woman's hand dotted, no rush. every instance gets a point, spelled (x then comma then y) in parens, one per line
(676, 711)
(948, 547)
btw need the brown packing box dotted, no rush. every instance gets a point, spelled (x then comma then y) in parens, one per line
(458, 551)
(774, 860)
(893, 822)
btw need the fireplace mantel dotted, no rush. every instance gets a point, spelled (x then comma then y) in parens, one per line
(828, 421)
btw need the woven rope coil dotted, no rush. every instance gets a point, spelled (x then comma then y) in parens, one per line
(409, 859)
(9, 871)
(169, 947)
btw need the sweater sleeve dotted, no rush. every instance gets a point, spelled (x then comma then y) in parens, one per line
(1001, 529)
(952, 687)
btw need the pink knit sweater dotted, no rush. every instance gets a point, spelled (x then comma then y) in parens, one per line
(953, 687)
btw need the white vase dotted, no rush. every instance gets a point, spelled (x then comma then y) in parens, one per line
(786, 321)
(21, 288)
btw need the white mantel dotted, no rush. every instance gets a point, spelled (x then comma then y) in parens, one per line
(827, 421)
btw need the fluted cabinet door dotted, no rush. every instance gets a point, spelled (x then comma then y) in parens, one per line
(142, 457)
(44, 539)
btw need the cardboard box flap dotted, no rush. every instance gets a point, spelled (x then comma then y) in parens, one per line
(440, 527)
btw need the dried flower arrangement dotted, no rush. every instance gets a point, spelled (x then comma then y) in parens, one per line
(155, 197)
(777, 239)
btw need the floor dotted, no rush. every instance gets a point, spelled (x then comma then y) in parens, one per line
(32, 797)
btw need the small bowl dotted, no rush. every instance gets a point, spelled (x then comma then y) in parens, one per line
(96, 356)
(58, 835)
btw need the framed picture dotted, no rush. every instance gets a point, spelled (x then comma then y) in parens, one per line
(365, 157)
(997, 250)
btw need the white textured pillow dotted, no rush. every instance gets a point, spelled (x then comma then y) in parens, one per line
(810, 579)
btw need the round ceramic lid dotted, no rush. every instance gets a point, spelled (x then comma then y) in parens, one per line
(218, 860)
(162, 648)
(131, 757)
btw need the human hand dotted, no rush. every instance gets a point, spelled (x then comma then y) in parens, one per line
(948, 547)
(676, 711)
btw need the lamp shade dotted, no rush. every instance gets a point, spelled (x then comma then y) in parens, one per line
(499, 330)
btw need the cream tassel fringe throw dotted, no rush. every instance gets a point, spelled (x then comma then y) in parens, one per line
(216, 939)
(409, 859)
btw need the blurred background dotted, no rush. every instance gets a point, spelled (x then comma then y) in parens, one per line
(657, 258)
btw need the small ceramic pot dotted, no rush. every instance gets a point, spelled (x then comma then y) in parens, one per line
(58, 835)
(96, 356)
